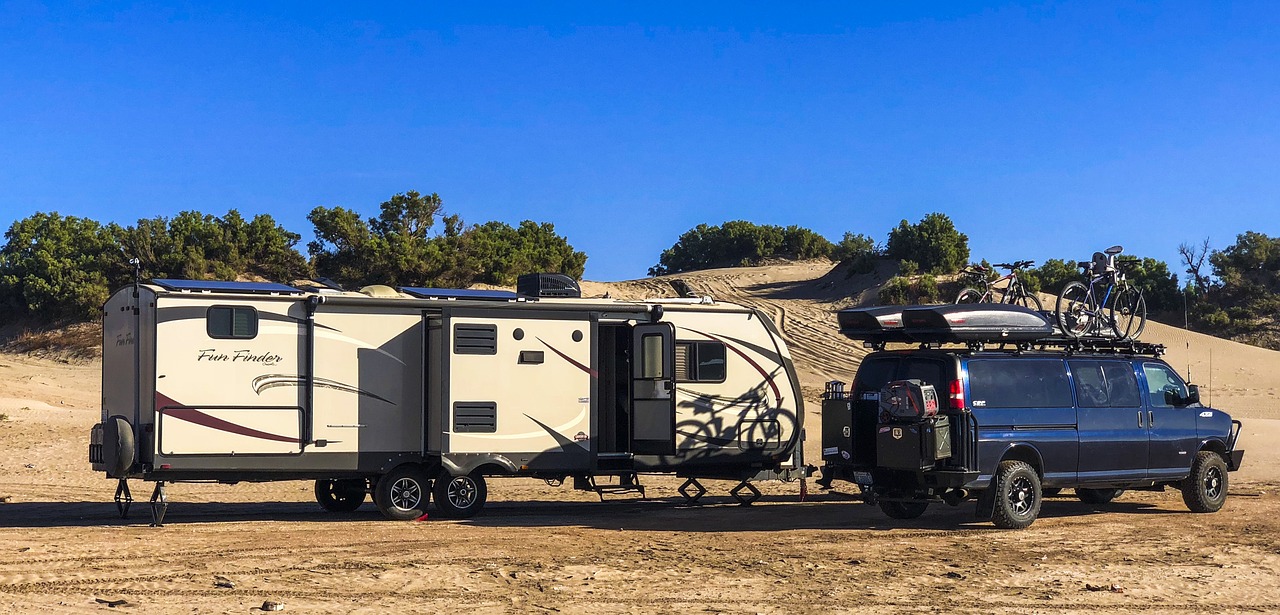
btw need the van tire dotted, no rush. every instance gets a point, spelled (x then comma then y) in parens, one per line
(341, 494)
(1017, 495)
(460, 497)
(403, 493)
(903, 510)
(1097, 496)
(1205, 490)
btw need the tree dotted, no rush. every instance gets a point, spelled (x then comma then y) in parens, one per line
(58, 267)
(197, 246)
(1193, 258)
(1159, 286)
(857, 251)
(398, 247)
(739, 243)
(1050, 277)
(933, 243)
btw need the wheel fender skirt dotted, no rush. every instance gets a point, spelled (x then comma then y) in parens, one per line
(461, 464)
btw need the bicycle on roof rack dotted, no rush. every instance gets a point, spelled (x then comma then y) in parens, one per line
(1014, 293)
(1084, 309)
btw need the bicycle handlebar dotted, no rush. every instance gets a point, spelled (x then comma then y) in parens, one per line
(1017, 265)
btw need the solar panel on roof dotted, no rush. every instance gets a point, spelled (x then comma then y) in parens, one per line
(458, 293)
(226, 287)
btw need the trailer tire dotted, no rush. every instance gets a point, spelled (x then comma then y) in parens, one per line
(340, 494)
(1098, 496)
(460, 497)
(118, 446)
(903, 510)
(1205, 490)
(403, 493)
(1017, 495)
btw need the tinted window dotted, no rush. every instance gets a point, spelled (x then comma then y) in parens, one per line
(1018, 383)
(927, 370)
(224, 322)
(873, 374)
(1161, 380)
(700, 361)
(1105, 384)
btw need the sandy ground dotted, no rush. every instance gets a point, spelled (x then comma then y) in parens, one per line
(545, 549)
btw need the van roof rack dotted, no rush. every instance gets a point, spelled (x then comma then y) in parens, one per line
(976, 326)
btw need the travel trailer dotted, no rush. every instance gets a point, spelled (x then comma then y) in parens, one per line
(414, 394)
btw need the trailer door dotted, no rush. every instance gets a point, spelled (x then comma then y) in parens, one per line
(653, 402)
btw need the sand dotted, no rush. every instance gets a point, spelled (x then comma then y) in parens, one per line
(538, 548)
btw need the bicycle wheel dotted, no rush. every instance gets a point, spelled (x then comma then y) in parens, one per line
(1128, 313)
(1027, 300)
(1075, 316)
(969, 295)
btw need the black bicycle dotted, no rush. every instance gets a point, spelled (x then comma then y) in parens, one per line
(1015, 292)
(1121, 307)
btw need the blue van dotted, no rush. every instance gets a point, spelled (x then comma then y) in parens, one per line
(1015, 423)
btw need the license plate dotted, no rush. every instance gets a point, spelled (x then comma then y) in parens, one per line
(862, 478)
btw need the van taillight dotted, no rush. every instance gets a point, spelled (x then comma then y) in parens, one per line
(957, 395)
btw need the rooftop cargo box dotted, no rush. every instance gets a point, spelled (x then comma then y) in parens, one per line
(974, 322)
(875, 324)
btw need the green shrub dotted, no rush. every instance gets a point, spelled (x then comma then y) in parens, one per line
(933, 243)
(739, 243)
(857, 252)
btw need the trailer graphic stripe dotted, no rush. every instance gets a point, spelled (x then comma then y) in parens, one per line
(767, 378)
(594, 373)
(167, 406)
(271, 381)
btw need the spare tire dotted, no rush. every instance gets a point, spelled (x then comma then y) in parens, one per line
(117, 446)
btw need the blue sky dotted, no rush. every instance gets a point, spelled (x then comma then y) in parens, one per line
(1043, 130)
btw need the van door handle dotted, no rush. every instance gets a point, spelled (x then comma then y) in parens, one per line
(1139, 418)
(1151, 418)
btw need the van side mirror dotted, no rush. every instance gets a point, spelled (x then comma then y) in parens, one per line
(1193, 395)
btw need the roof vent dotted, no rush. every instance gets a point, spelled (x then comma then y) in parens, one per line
(548, 285)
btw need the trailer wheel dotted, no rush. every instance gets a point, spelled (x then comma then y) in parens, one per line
(1017, 495)
(1098, 496)
(402, 494)
(460, 497)
(340, 495)
(903, 510)
(1206, 489)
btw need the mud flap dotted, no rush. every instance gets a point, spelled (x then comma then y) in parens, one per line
(986, 504)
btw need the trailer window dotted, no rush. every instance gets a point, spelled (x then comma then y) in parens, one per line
(700, 361)
(235, 323)
(651, 357)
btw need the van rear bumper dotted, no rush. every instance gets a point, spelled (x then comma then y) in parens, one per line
(947, 478)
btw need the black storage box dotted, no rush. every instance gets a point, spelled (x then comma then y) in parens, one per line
(913, 446)
(837, 431)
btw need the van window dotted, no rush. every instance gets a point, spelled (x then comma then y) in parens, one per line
(700, 361)
(1161, 379)
(1018, 383)
(1105, 384)
(226, 322)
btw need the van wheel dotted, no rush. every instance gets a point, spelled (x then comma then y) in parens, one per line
(460, 497)
(904, 510)
(340, 494)
(1206, 489)
(403, 493)
(1017, 495)
(1098, 496)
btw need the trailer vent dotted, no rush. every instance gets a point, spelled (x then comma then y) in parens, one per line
(547, 285)
(475, 417)
(475, 339)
